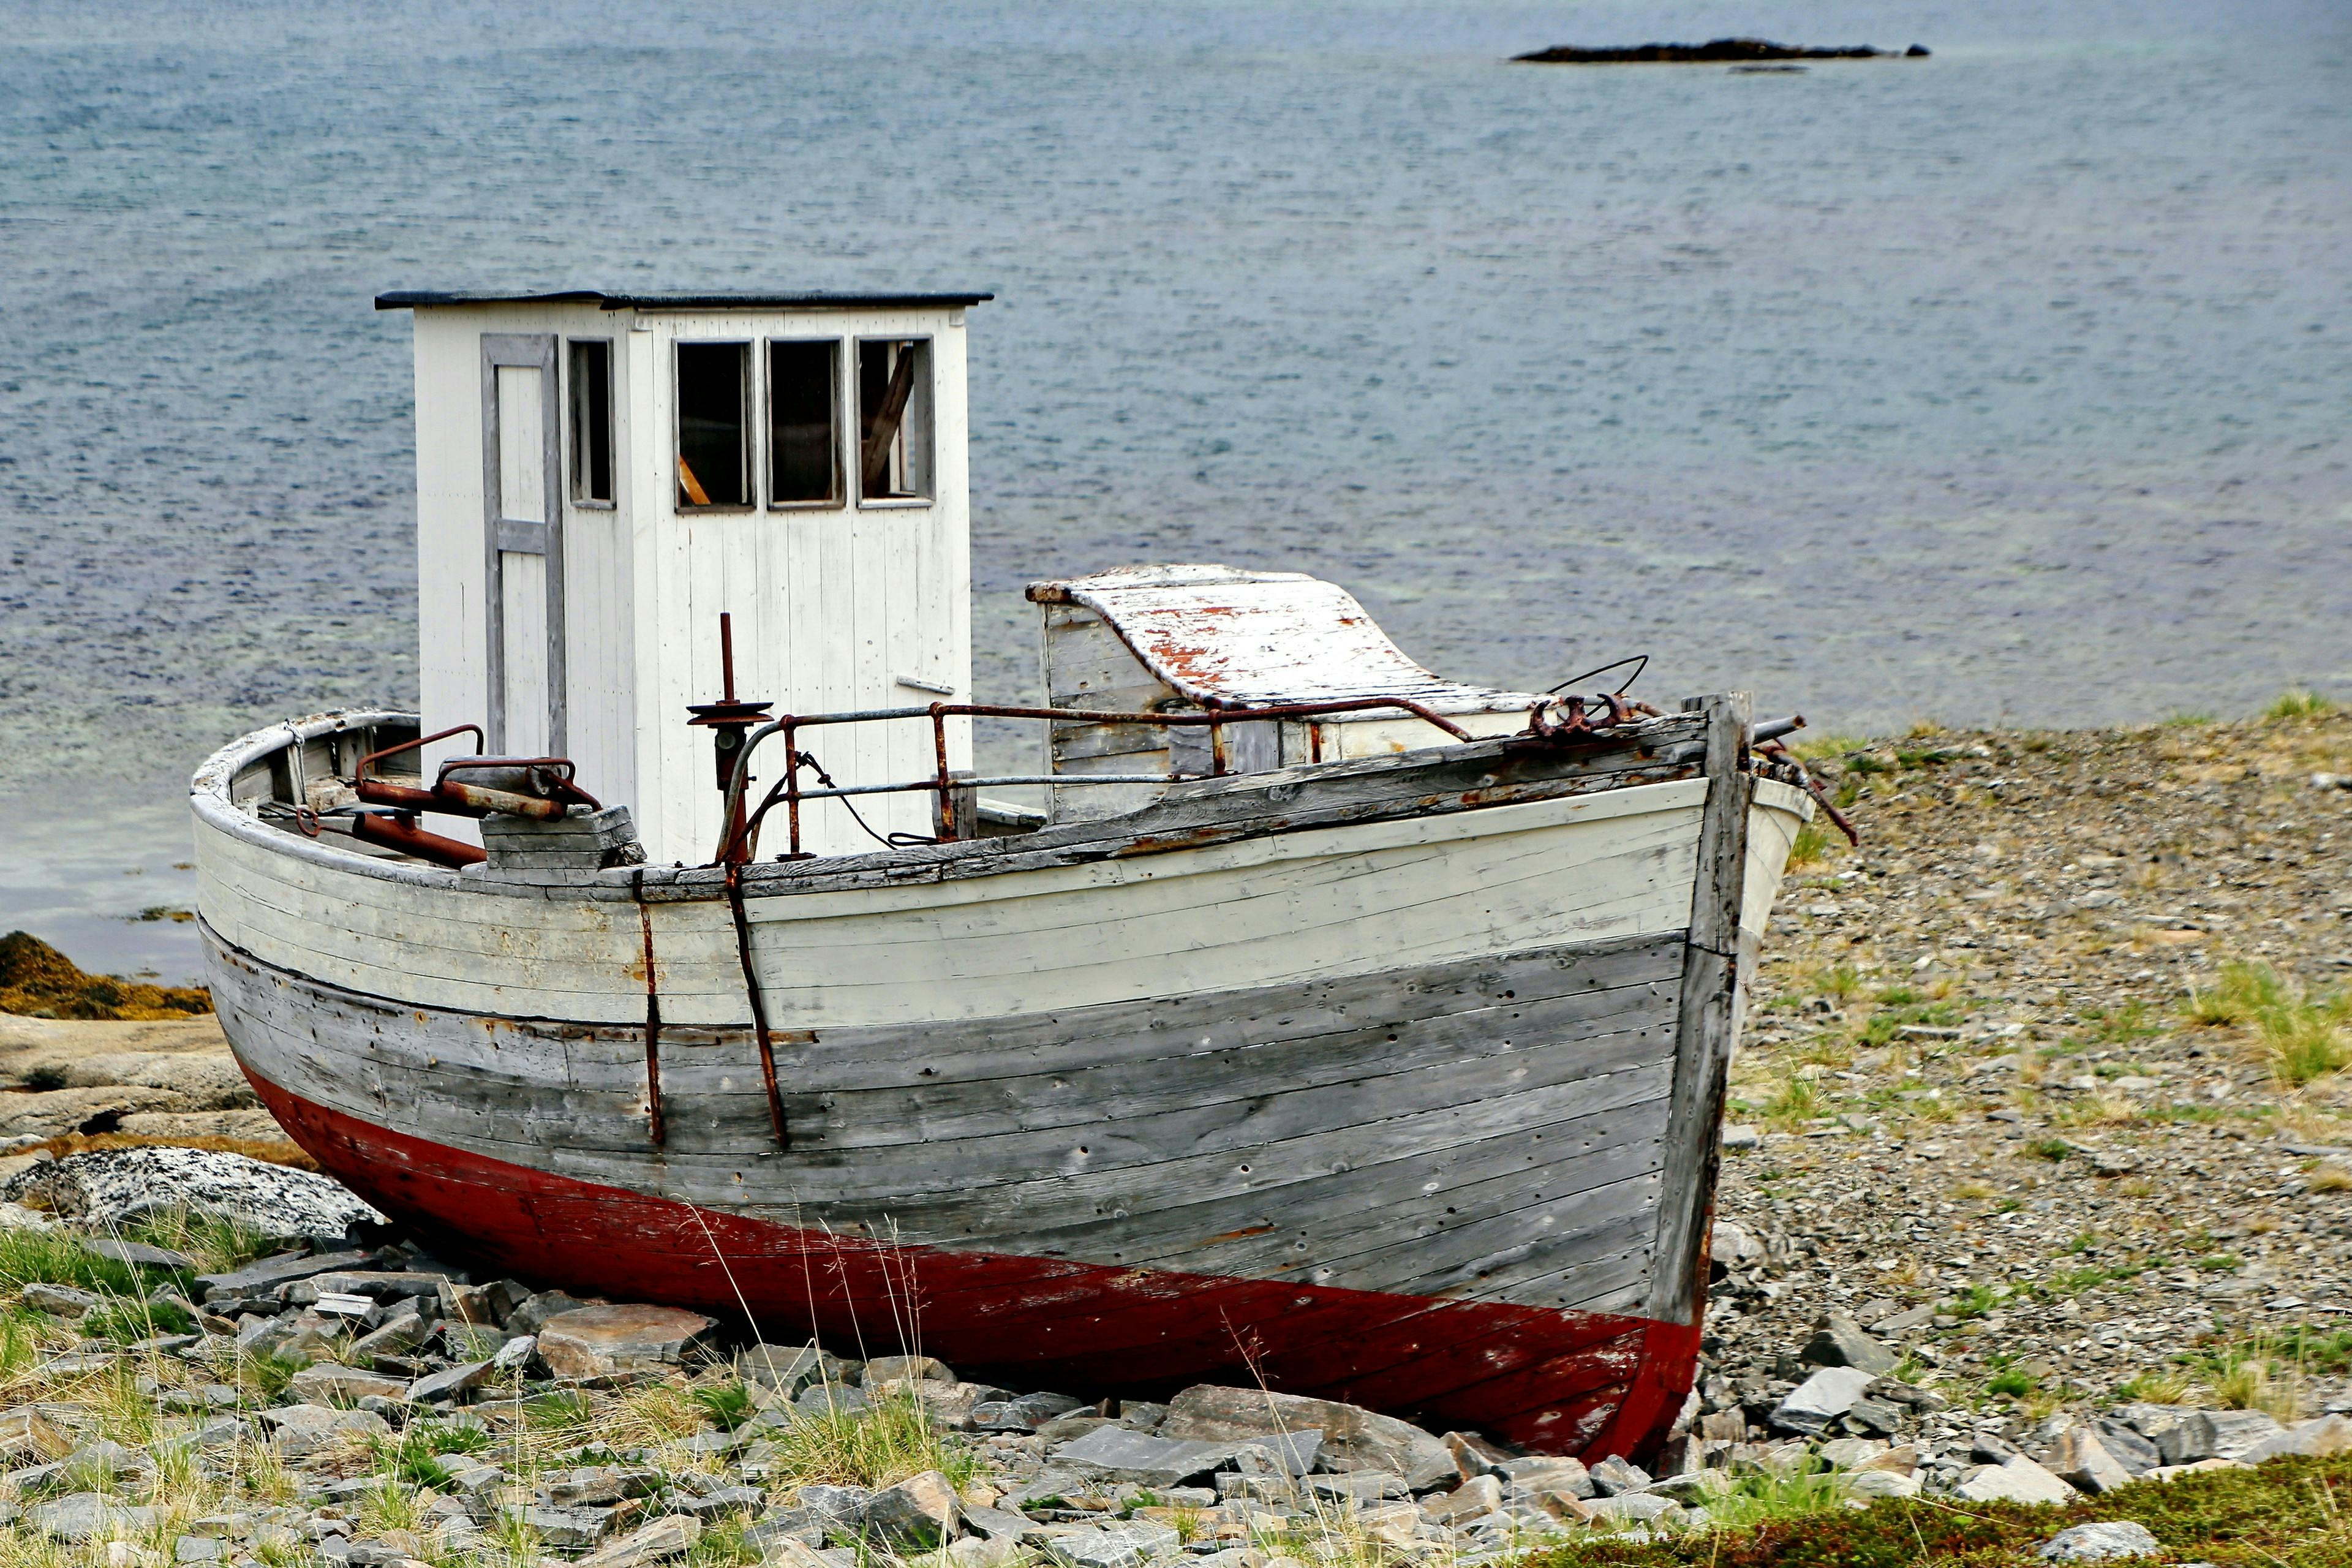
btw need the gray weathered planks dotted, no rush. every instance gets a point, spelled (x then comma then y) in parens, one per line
(1401, 1094)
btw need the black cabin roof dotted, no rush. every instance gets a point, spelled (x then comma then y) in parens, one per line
(407, 299)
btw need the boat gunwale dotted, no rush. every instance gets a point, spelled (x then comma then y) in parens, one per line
(209, 798)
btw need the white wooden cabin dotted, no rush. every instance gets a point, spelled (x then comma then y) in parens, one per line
(1163, 639)
(600, 476)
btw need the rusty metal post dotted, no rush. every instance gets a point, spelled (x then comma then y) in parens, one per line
(792, 788)
(945, 813)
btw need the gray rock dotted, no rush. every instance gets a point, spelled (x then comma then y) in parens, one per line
(1875, 1418)
(1360, 1486)
(573, 1527)
(719, 1504)
(327, 1384)
(112, 1188)
(669, 1537)
(1879, 1483)
(2101, 1544)
(1732, 1246)
(1615, 1476)
(602, 1484)
(2327, 1435)
(996, 1523)
(1820, 1399)
(1478, 1495)
(261, 1336)
(919, 1512)
(1474, 1455)
(845, 1505)
(1127, 1545)
(537, 1311)
(95, 1463)
(1281, 1454)
(902, 1368)
(462, 1303)
(197, 1549)
(2083, 1462)
(302, 1429)
(1026, 1414)
(1904, 1322)
(1141, 1457)
(1353, 1437)
(2187, 1440)
(387, 1286)
(2018, 1481)
(1073, 1424)
(1543, 1474)
(403, 1330)
(85, 1516)
(434, 1387)
(820, 1397)
(2131, 1451)
(2237, 1433)
(1840, 1341)
(138, 1252)
(804, 1525)
(63, 1300)
(515, 1354)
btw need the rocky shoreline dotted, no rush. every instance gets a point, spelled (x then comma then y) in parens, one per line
(347, 1401)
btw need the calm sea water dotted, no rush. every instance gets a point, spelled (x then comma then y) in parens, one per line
(2013, 384)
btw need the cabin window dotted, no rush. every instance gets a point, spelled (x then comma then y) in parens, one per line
(894, 419)
(592, 421)
(714, 466)
(804, 443)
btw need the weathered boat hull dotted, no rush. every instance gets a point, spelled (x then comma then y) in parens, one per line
(1394, 1082)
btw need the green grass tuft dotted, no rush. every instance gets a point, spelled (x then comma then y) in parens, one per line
(873, 1447)
(128, 1323)
(56, 1258)
(2303, 1035)
(2298, 704)
(729, 1405)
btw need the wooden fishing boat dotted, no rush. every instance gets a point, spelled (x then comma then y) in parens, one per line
(1331, 1023)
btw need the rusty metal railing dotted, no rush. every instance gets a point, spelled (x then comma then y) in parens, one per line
(739, 837)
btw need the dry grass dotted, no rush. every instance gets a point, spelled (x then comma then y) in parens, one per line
(2301, 1034)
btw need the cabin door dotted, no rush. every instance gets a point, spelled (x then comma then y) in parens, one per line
(523, 522)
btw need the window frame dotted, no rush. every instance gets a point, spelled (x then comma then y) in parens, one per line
(754, 461)
(573, 458)
(928, 392)
(844, 416)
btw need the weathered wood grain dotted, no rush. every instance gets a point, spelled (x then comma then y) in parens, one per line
(1150, 1186)
(1708, 1014)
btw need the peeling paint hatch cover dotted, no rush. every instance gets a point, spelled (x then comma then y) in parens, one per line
(1262, 638)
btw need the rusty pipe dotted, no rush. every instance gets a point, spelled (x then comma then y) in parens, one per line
(455, 799)
(391, 833)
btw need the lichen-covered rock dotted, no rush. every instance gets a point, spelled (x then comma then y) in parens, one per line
(118, 1185)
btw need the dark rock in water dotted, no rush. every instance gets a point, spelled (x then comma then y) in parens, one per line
(1722, 51)
(38, 980)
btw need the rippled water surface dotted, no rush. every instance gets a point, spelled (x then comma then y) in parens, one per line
(2011, 384)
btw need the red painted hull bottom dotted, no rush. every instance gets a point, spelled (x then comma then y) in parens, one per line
(1554, 1382)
